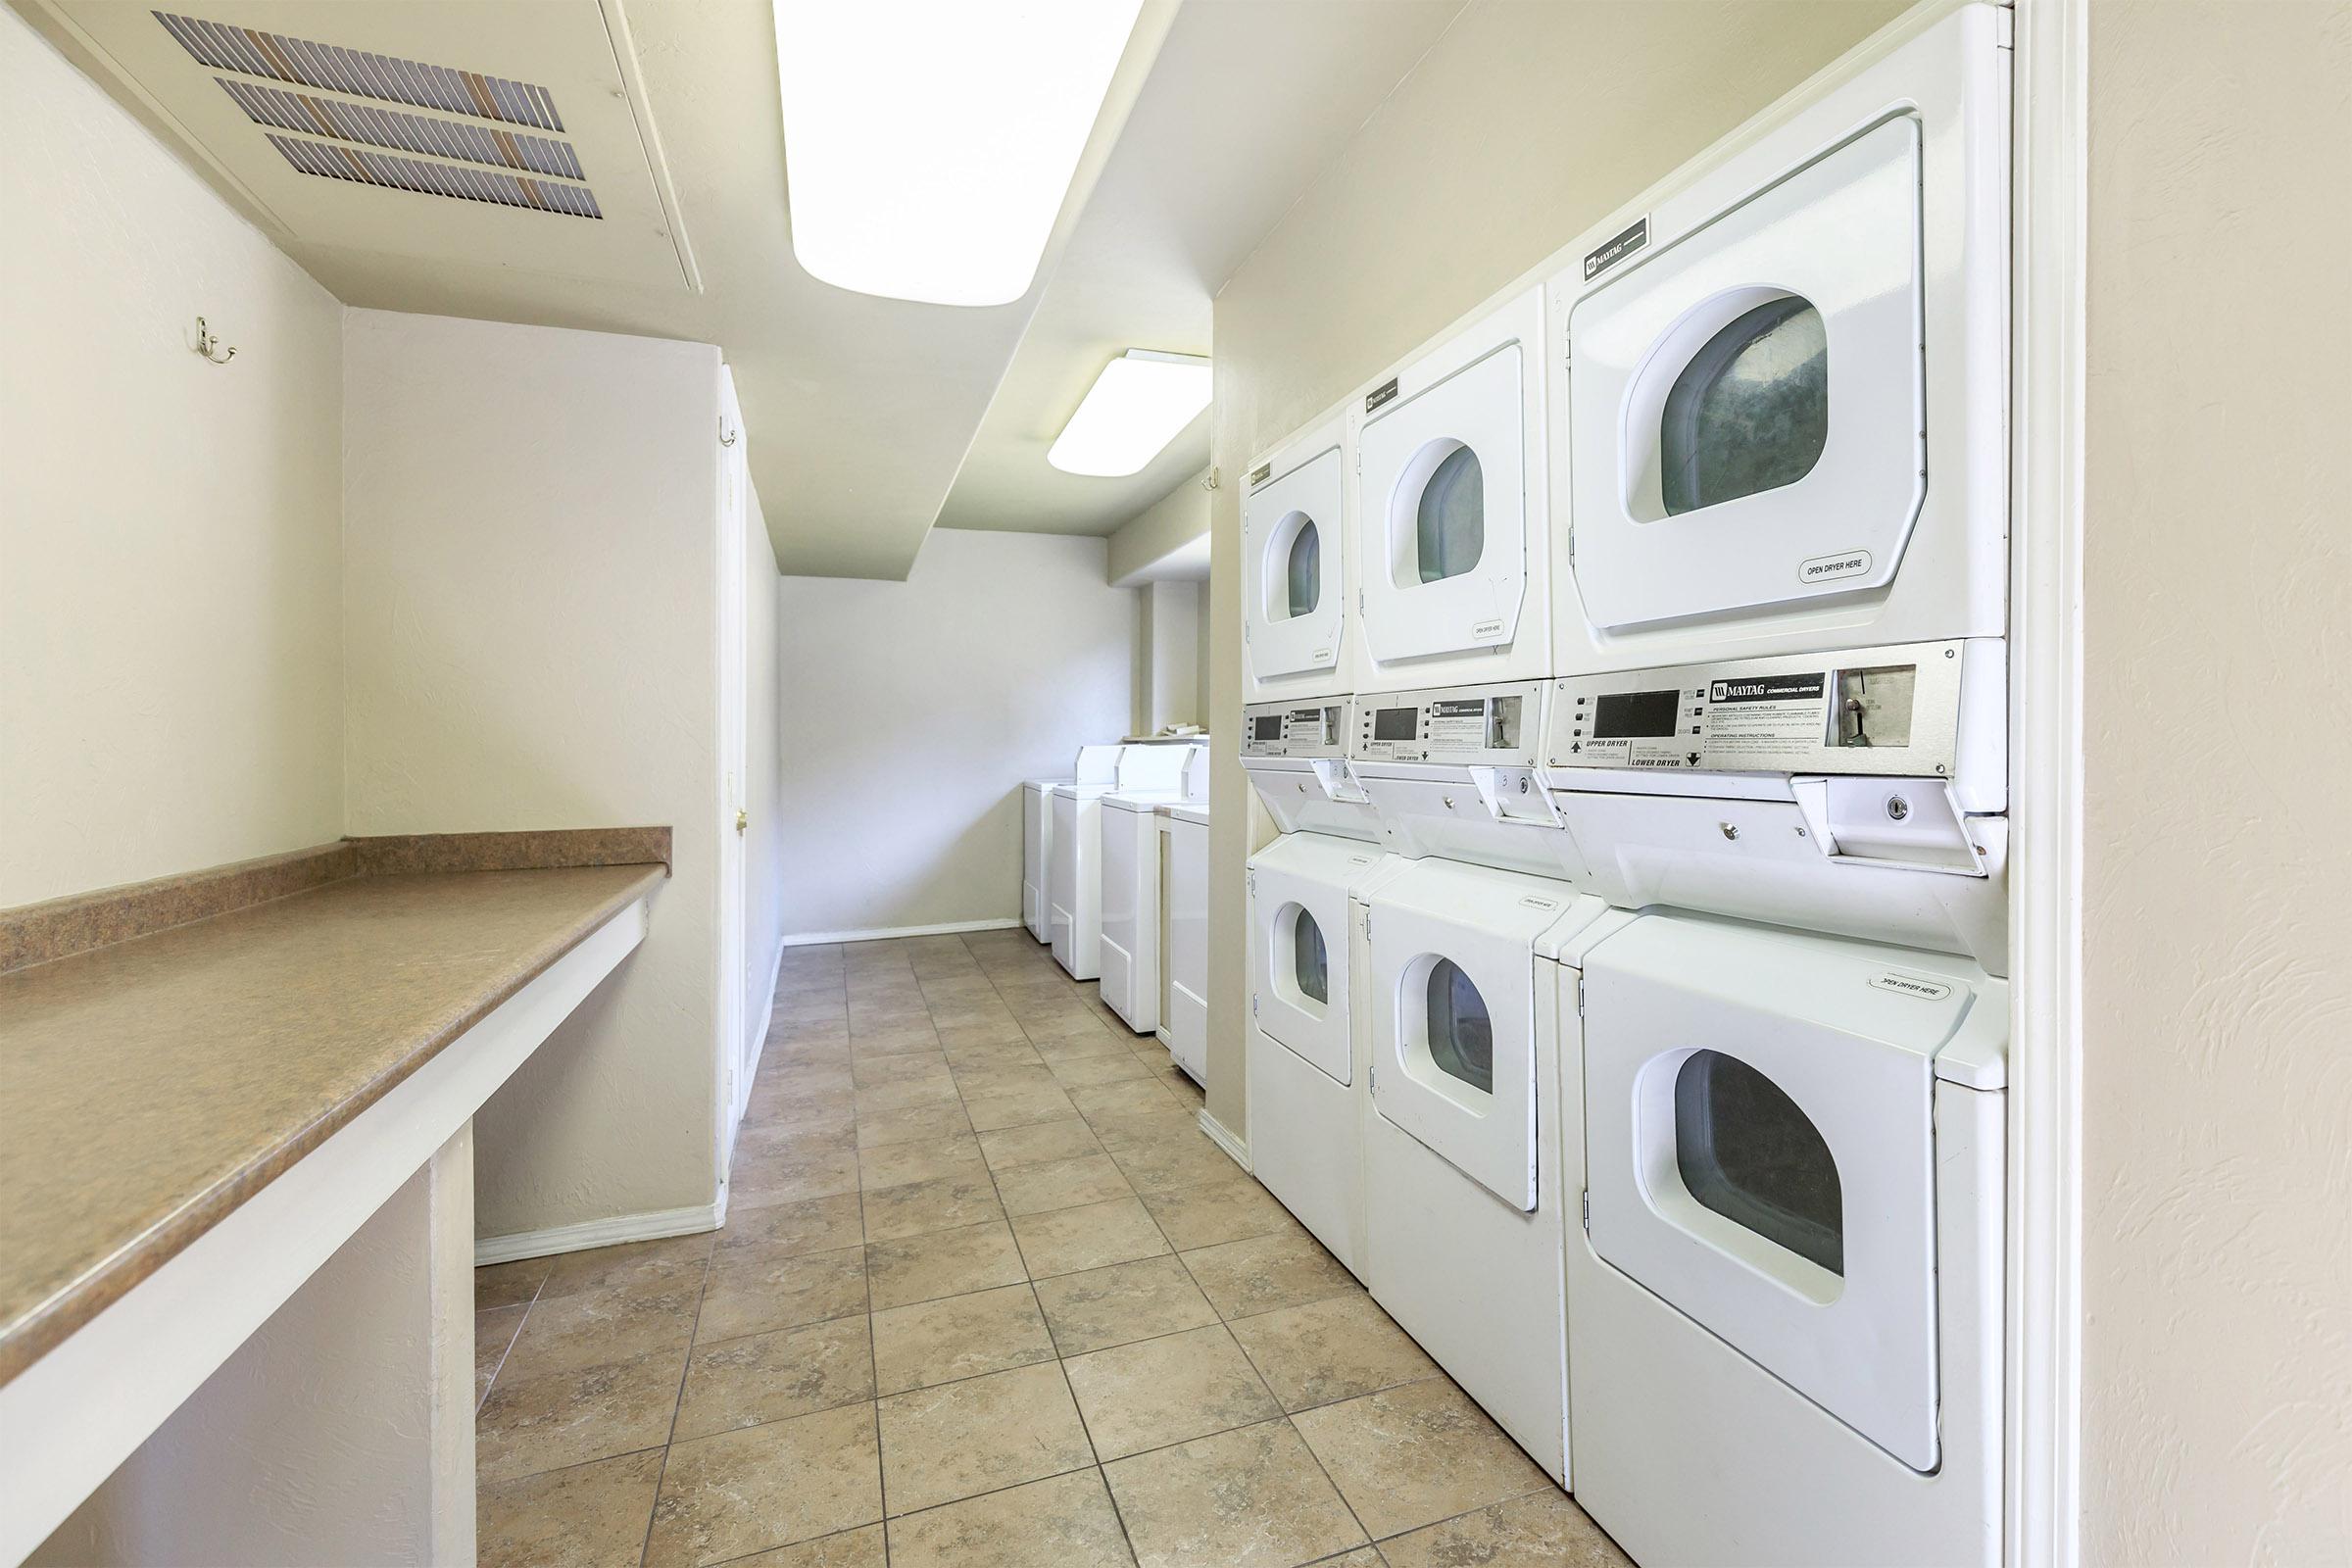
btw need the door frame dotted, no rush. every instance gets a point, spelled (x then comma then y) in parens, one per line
(732, 651)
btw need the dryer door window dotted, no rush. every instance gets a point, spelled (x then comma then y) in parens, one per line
(1303, 574)
(1748, 407)
(1310, 959)
(1745, 1150)
(1458, 1030)
(1449, 520)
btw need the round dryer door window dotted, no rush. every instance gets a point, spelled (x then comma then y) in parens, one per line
(1460, 1030)
(1745, 1150)
(1310, 960)
(1750, 411)
(1303, 569)
(1449, 519)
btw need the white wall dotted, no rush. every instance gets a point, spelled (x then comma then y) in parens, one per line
(170, 589)
(2217, 919)
(912, 712)
(532, 570)
(1523, 126)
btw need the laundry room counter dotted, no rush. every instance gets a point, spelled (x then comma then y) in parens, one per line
(150, 1088)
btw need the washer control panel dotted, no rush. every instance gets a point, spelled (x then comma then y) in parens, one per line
(1296, 729)
(1866, 711)
(1496, 725)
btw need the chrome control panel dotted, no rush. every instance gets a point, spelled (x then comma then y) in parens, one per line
(1495, 726)
(1298, 729)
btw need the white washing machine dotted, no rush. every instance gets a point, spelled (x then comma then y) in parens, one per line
(1782, 384)
(1096, 764)
(1297, 560)
(1131, 893)
(1785, 1343)
(1308, 1091)
(1184, 938)
(1452, 551)
(1074, 868)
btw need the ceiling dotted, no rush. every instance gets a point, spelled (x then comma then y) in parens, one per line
(868, 419)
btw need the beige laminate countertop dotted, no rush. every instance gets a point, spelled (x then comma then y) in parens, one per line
(149, 1087)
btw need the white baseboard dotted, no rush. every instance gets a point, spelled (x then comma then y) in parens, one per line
(813, 938)
(1222, 1136)
(689, 1221)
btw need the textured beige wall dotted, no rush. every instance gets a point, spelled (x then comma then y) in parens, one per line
(2216, 1080)
(171, 555)
(1522, 127)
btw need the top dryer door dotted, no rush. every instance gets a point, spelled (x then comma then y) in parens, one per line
(1451, 512)
(1747, 414)
(1293, 569)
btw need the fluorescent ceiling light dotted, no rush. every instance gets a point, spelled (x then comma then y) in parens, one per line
(1136, 407)
(929, 143)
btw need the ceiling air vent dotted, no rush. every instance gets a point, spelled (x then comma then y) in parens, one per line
(255, 53)
(407, 133)
(370, 168)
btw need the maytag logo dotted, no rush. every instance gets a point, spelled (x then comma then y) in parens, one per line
(1259, 474)
(1826, 569)
(1616, 249)
(1907, 985)
(1386, 392)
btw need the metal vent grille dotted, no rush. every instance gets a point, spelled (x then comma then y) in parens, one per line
(251, 52)
(411, 133)
(394, 172)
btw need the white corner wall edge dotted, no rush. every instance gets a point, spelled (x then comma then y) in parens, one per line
(1235, 1148)
(880, 933)
(73, 1416)
(653, 1226)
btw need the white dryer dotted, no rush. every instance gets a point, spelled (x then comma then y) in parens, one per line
(1074, 868)
(1782, 384)
(1308, 1091)
(1184, 938)
(1297, 567)
(1785, 1343)
(1131, 893)
(1096, 764)
(1452, 551)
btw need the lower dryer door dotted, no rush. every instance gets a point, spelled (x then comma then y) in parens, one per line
(1760, 1151)
(1299, 946)
(1451, 989)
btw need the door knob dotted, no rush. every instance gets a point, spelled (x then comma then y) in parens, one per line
(743, 822)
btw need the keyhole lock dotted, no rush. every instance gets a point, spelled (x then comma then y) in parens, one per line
(1449, 803)
(1898, 808)
(1731, 830)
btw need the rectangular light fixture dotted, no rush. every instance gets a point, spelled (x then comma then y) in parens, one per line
(928, 144)
(1136, 407)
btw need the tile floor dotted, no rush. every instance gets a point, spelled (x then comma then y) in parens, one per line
(986, 1297)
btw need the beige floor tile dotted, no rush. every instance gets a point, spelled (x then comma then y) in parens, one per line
(1329, 1350)
(774, 1377)
(1066, 1018)
(767, 1121)
(863, 1547)
(1164, 1126)
(914, 1124)
(937, 1090)
(1061, 1184)
(1177, 1082)
(1138, 1097)
(648, 1265)
(586, 1516)
(757, 1290)
(981, 1080)
(554, 1419)
(1092, 1040)
(1211, 1212)
(738, 1492)
(1073, 1072)
(1267, 1273)
(1018, 1108)
(1156, 1391)
(617, 1323)
(869, 1072)
(1067, 1241)
(1016, 1053)
(958, 1337)
(897, 1164)
(1161, 1163)
(958, 1440)
(1541, 1530)
(790, 1175)
(999, 1030)
(949, 1262)
(1064, 1522)
(1251, 1499)
(493, 1333)
(1037, 1143)
(821, 1225)
(1127, 1301)
(509, 1284)
(1413, 1455)
(939, 1204)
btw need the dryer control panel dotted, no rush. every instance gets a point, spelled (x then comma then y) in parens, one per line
(1298, 729)
(1493, 726)
(1893, 711)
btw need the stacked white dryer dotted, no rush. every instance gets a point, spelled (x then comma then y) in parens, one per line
(1780, 730)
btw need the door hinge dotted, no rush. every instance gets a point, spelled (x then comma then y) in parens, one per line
(1580, 996)
(743, 822)
(1253, 1004)
(1585, 1201)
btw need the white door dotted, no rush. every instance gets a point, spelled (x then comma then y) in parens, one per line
(1443, 504)
(1747, 410)
(1451, 990)
(739, 1049)
(1294, 545)
(1298, 934)
(1761, 1151)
